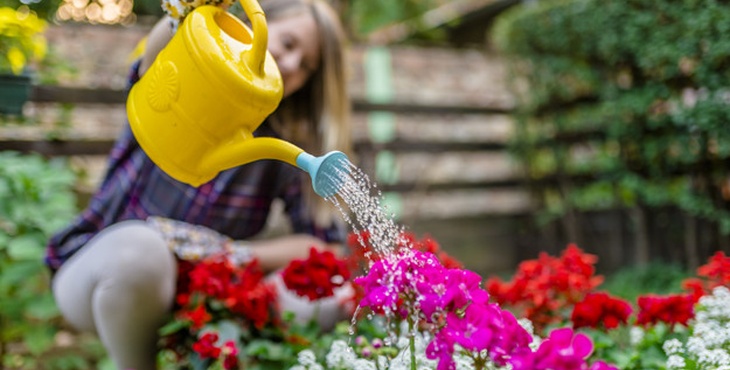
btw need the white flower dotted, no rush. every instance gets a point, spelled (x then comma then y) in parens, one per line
(340, 355)
(363, 364)
(695, 345)
(714, 358)
(708, 345)
(673, 347)
(636, 335)
(716, 306)
(307, 361)
(675, 362)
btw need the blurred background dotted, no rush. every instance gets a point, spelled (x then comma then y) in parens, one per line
(501, 128)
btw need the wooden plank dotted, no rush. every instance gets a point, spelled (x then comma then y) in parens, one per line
(427, 147)
(59, 147)
(61, 94)
(403, 187)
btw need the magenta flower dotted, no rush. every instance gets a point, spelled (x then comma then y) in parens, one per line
(600, 365)
(416, 286)
(391, 285)
(441, 348)
(514, 340)
(562, 350)
(450, 290)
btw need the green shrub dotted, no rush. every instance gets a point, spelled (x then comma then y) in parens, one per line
(656, 278)
(626, 93)
(36, 199)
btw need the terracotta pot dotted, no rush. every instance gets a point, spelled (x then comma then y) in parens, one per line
(14, 92)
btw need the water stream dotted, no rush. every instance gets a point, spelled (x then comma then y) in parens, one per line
(362, 198)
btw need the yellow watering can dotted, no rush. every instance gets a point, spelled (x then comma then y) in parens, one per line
(196, 108)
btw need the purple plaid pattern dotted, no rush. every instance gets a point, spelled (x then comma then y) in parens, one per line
(236, 203)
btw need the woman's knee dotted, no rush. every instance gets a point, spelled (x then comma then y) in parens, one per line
(138, 252)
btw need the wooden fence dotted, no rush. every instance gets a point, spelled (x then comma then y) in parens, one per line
(472, 215)
(484, 219)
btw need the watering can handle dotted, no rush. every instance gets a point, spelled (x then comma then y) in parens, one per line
(255, 58)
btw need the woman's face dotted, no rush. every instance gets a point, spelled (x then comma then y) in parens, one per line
(294, 44)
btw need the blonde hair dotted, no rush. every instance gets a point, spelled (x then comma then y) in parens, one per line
(317, 116)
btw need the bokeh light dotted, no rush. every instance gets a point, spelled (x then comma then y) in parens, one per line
(97, 11)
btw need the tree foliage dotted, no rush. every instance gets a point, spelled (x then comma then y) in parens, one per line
(44, 8)
(632, 95)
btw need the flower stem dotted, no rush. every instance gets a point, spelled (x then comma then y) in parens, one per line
(412, 342)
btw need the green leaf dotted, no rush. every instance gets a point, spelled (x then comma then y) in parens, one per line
(267, 350)
(4, 238)
(173, 327)
(228, 330)
(199, 363)
(107, 364)
(71, 361)
(43, 308)
(17, 272)
(25, 247)
(39, 339)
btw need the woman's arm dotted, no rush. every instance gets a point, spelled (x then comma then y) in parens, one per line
(157, 39)
(276, 253)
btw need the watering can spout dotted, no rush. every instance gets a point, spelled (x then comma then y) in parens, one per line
(327, 172)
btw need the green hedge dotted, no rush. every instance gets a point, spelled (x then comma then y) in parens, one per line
(643, 85)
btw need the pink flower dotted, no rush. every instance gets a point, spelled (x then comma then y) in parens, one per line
(392, 284)
(441, 348)
(562, 350)
(514, 339)
(449, 290)
(600, 365)
(415, 284)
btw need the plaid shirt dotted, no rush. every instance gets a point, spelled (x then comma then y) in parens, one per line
(236, 203)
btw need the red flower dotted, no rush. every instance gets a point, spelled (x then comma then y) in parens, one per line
(428, 244)
(600, 310)
(713, 274)
(695, 287)
(211, 277)
(230, 353)
(251, 297)
(255, 304)
(542, 288)
(198, 316)
(717, 270)
(317, 276)
(205, 346)
(671, 309)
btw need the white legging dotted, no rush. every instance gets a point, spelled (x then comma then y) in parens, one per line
(121, 286)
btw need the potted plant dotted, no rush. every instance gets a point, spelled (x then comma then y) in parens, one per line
(22, 43)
